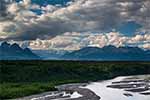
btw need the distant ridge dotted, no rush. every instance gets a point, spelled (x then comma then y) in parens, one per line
(15, 52)
(109, 53)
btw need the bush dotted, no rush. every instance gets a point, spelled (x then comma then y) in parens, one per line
(22, 78)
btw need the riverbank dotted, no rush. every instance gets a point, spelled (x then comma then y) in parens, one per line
(123, 88)
(23, 78)
(114, 89)
(66, 92)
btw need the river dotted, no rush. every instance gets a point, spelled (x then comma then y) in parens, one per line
(120, 88)
(108, 91)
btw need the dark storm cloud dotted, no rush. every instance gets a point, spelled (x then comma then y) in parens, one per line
(79, 16)
(4, 14)
(3, 9)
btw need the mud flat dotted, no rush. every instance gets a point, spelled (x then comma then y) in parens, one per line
(145, 93)
(123, 88)
(86, 93)
(133, 84)
(66, 92)
(120, 88)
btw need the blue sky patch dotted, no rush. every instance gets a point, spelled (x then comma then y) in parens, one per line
(129, 28)
(46, 2)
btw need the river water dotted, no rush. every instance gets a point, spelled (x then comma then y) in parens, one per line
(120, 88)
(102, 90)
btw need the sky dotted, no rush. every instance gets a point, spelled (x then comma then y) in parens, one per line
(74, 24)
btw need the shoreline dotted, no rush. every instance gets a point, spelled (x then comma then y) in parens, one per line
(27, 78)
(68, 90)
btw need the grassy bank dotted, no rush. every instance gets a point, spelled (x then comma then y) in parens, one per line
(21, 78)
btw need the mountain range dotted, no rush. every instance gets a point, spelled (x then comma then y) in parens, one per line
(15, 52)
(109, 53)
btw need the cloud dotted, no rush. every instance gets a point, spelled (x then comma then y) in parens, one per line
(78, 16)
(76, 41)
(2, 8)
(146, 46)
(4, 15)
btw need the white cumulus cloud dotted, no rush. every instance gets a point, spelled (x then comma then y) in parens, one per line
(78, 16)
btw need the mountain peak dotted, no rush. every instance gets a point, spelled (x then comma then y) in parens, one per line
(16, 47)
(5, 45)
(109, 53)
(15, 52)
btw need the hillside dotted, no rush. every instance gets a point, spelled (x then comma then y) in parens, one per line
(15, 52)
(21, 78)
(109, 53)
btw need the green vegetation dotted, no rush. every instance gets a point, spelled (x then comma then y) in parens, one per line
(22, 78)
(11, 90)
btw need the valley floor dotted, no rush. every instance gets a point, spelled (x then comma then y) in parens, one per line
(24, 78)
(120, 88)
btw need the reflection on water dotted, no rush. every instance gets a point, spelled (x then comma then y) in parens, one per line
(123, 88)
